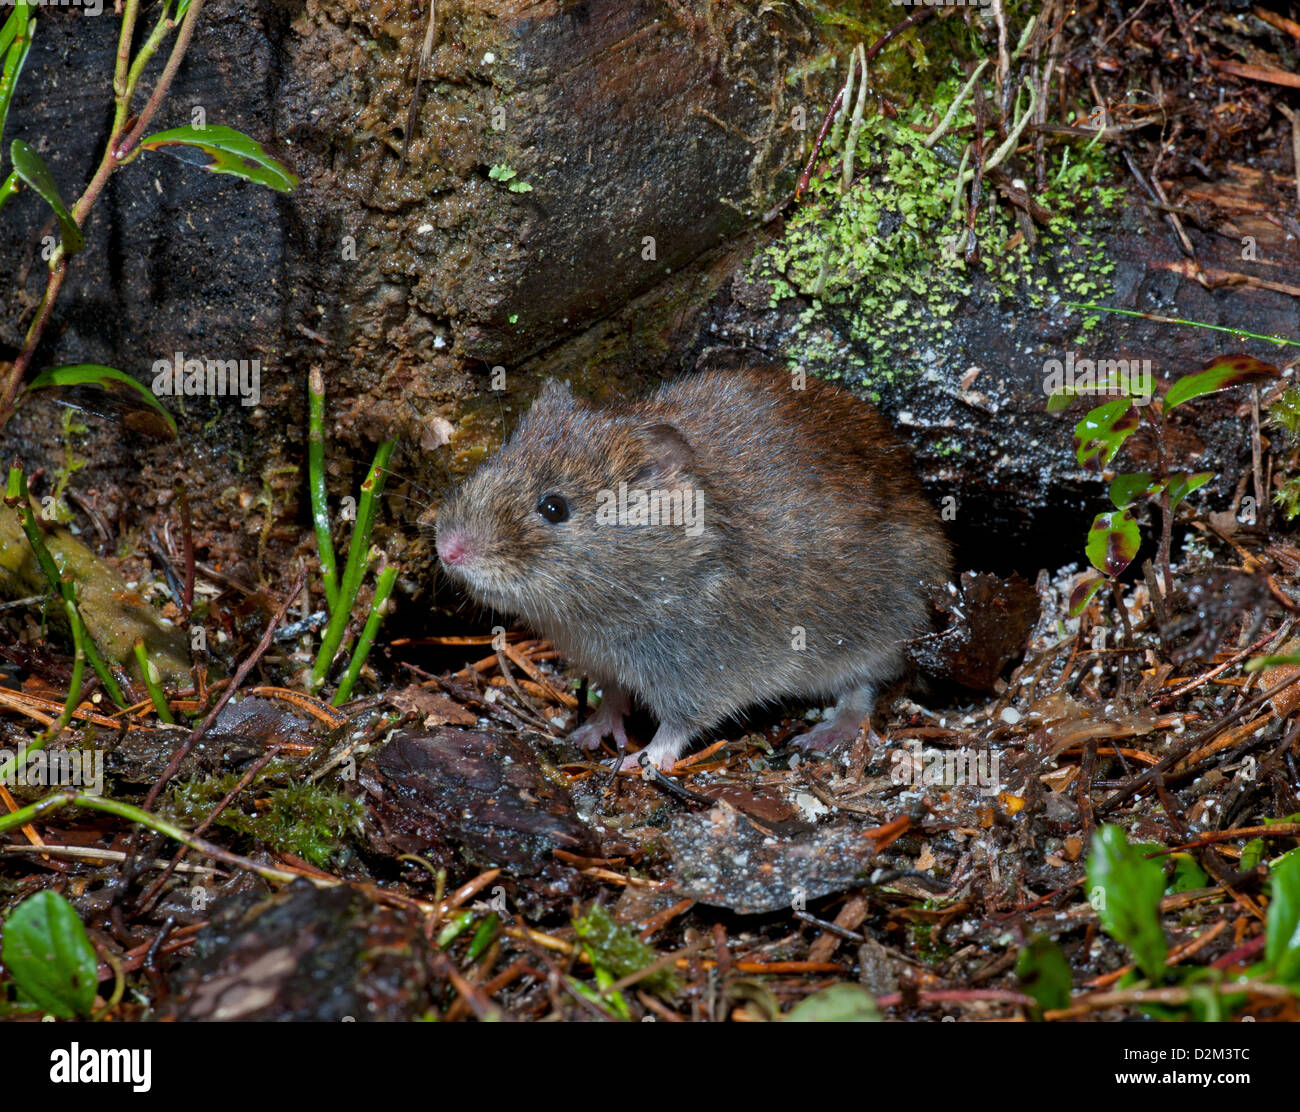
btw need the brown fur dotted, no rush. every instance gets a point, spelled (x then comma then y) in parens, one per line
(812, 521)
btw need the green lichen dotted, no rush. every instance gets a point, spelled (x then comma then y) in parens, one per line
(304, 819)
(882, 266)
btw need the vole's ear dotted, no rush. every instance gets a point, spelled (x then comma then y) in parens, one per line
(670, 453)
(555, 393)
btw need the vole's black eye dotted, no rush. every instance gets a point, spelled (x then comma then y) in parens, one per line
(553, 507)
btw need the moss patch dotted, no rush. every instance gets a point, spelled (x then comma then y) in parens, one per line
(882, 265)
(304, 819)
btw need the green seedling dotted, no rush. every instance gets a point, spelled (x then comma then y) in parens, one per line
(80, 640)
(1284, 414)
(150, 674)
(509, 178)
(341, 593)
(216, 148)
(1126, 884)
(1114, 539)
(49, 957)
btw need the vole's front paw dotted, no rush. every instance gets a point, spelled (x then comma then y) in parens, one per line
(606, 722)
(600, 726)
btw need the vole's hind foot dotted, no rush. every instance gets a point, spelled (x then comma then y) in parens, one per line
(826, 736)
(842, 727)
(665, 747)
(606, 722)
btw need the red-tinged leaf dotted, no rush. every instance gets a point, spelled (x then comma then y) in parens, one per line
(110, 393)
(1126, 489)
(1102, 432)
(1082, 594)
(1113, 542)
(1180, 486)
(223, 150)
(1219, 374)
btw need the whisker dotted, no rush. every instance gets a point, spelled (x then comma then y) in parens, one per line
(433, 494)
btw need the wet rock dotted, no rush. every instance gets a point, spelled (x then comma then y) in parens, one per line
(115, 616)
(242, 733)
(464, 798)
(973, 405)
(305, 954)
(723, 859)
(988, 623)
(141, 755)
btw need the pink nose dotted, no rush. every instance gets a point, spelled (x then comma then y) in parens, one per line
(454, 548)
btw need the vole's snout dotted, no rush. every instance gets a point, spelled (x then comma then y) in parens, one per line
(455, 547)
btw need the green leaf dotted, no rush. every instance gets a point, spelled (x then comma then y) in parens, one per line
(15, 42)
(1125, 888)
(1218, 374)
(1102, 432)
(483, 937)
(1283, 819)
(1119, 381)
(458, 925)
(1181, 485)
(1082, 594)
(9, 31)
(122, 391)
(1044, 972)
(1188, 875)
(31, 167)
(1282, 932)
(46, 950)
(1125, 489)
(223, 150)
(501, 172)
(1258, 663)
(1252, 853)
(1113, 542)
(837, 1004)
(1060, 400)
